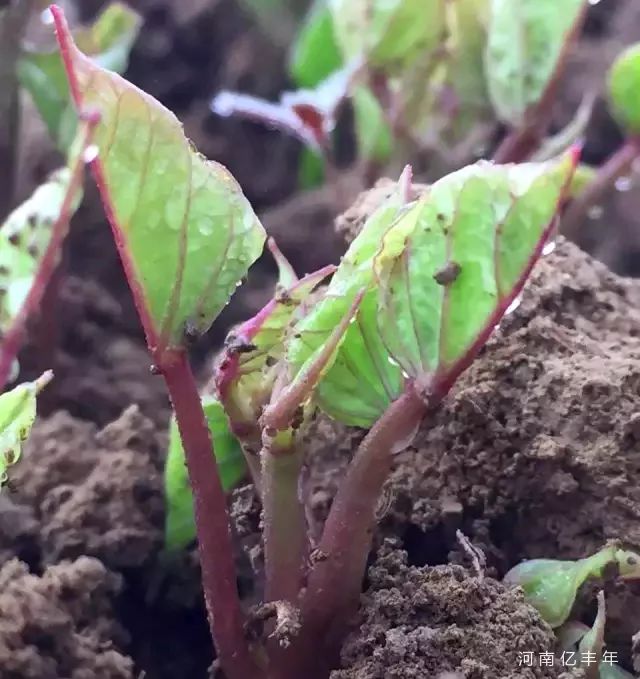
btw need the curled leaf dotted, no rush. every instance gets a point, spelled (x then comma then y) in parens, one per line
(17, 415)
(308, 114)
(624, 89)
(249, 365)
(180, 528)
(362, 381)
(185, 232)
(551, 585)
(526, 43)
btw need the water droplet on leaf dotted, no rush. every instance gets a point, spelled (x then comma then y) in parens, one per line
(548, 248)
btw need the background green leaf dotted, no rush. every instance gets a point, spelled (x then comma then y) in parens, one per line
(183, 225)
(180, 528)
(388, 33)
(624, 89)
(525, 43)
(108, 41)
(23, 239)
(315, 54)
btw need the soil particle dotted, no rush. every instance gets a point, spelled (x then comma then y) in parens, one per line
(60, 625)
(94, 492)
(423, 621)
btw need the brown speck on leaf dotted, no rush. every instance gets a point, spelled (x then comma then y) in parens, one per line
(449, 272)
(14, 239)
(33, 251)
(32, 221)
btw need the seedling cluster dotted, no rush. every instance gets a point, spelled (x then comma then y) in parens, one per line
(376, 342)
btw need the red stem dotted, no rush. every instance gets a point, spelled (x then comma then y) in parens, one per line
(14, 337)
(215, 545)
(616, 166)
(335, 582)
(225, 615)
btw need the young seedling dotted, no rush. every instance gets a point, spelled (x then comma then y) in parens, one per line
(407, 310)
(551, 586)
(186, 236)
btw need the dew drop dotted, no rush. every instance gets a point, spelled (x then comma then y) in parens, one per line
(46, 17)
(393, 361)
(90, 153)
(548, 248)
(594, 2)
(595, 212)
(514, 305)
(623, 183)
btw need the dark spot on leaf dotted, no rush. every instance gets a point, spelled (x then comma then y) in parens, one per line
(33, 251)
(4, 270)
(14, 239)
(32, 221)
(632, 561)
(238, 345)
(270, 361)
(449, 272)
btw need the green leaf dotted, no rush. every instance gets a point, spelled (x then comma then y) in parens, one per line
(362, 381)
(444, 95)
(185, 231)
(311, 170)
(525, 44)
(17, 415)
(315, 54)
(375, 141)
(624, 89)
(388, 33)
(551, 585)
(180, 528)
(108, 41)
(24, 237)
(452, 265)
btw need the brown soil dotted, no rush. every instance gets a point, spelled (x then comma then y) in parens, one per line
(60, 625)
(429, 621)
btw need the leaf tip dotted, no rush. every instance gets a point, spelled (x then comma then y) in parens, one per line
(43, 380)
